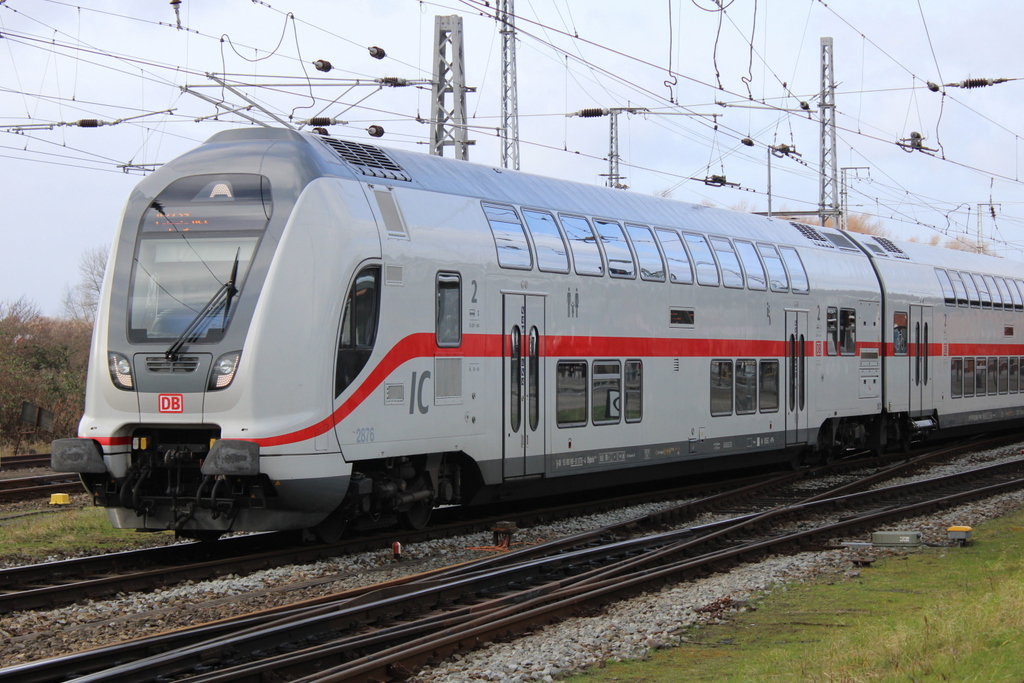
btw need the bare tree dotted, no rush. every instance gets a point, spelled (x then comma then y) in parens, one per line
(80, 302)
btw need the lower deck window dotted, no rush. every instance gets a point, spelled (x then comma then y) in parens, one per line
(746, 387)
(768, 381)
(606, 392)
(721, 387)
(571, 394)
(956, 377)
(634, 385)
(981, 377)
(968, 377)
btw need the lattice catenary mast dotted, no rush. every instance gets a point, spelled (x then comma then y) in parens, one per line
(448, 123)
(828, 202)
(509, 89)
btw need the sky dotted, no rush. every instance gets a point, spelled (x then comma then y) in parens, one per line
(704, 76)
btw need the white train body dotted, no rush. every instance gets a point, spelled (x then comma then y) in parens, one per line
(404, 331)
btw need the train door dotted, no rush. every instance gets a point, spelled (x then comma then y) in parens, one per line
(523, 378)
(796, 377)
(920, 333)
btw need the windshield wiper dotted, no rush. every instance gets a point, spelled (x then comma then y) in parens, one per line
(220, 299)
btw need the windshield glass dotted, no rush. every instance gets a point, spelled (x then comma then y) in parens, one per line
(189, 239)
(174, 279)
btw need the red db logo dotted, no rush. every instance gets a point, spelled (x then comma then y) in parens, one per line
(171, 403)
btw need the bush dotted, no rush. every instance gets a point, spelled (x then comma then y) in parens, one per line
(43, 361)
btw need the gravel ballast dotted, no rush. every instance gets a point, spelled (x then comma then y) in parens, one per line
(628, 629)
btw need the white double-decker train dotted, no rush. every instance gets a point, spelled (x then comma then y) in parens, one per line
(302, 332)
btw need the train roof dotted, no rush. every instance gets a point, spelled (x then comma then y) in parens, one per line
(402, 168)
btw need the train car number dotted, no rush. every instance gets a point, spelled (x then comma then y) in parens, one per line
(364, 435)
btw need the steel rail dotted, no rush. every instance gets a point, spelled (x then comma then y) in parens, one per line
(468, 623)
(24, 461)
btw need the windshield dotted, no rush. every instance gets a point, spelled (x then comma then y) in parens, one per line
(189, 239)
(174, 280)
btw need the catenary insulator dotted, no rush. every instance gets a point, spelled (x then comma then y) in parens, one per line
(590, 113)
(934, 87)
(321, 121)
(377, 52)
(375, 131)
(322, 65)
(748, 142)
(89, 123)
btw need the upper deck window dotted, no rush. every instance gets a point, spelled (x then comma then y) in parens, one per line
(732, 274)
(1011, 298)
(678, 260)
(616, 249)
(997, 298)
(947, 287)
(707, 269)
(509, 237)
(756, 279)
(777, 277)
(1020, 290)
(585, 253)
(651, 266)
(972, 290)
(552, 255)
(797, 274)
(958, 287)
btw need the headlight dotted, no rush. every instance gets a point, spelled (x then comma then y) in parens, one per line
(120, 371)
(223, 371)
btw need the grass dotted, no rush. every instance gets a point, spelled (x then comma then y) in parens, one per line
(32, 445)
(941, 614)
(67, 532)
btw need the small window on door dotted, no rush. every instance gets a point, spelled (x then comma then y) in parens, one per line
(899, 333)
(449, 310)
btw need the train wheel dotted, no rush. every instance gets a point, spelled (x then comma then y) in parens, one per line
(418, 516)
(331, 529)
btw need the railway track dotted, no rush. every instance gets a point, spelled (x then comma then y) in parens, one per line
(381, 631)
(41, 486)
(64, 582)
(24, 461)
(67, 581)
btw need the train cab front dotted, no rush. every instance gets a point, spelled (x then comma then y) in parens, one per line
(187, 271)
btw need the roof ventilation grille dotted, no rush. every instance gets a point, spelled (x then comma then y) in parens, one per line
(891, 247)
(367, 159)
(812, 234)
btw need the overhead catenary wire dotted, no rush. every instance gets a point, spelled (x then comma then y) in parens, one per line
(725, 129)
